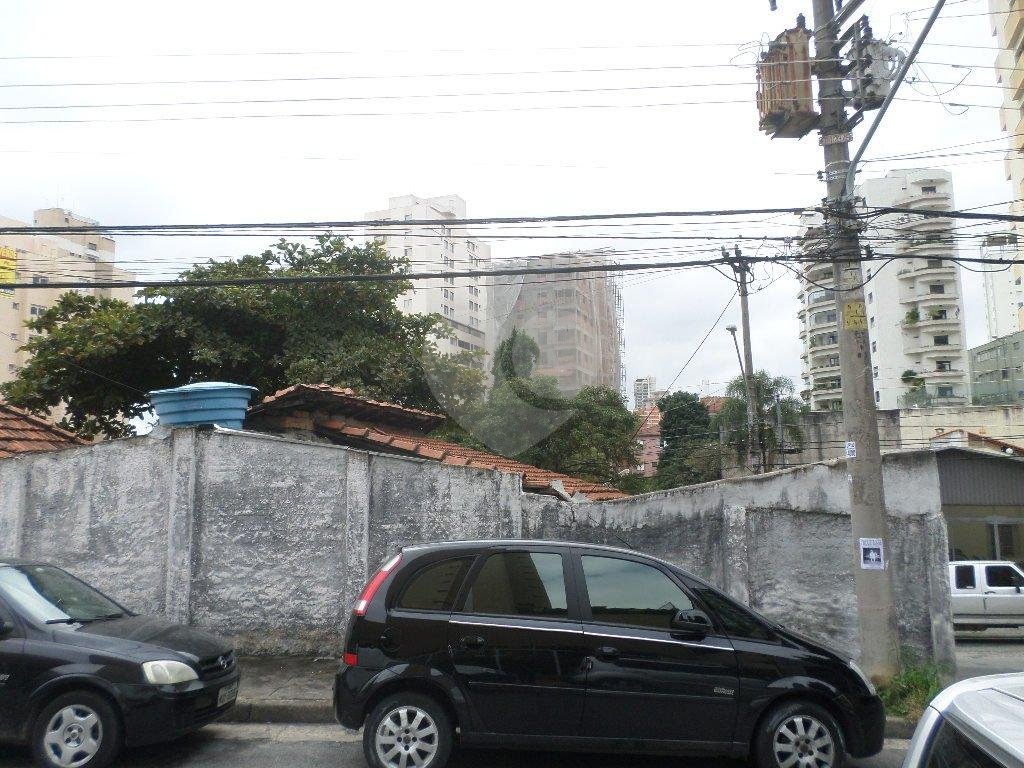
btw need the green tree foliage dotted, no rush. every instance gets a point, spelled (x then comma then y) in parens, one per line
(99, 357)
(776, 398)
(515, 357)
(690, 450)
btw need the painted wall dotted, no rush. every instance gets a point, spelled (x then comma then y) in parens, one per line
(269, 540)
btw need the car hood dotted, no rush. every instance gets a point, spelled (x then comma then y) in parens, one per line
(146, 635)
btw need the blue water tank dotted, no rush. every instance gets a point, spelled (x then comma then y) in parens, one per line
(205, 402)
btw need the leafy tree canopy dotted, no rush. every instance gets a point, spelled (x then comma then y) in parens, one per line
(690, 450)
(98, 357)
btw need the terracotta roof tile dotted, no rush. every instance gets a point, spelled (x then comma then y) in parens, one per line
(21, 433)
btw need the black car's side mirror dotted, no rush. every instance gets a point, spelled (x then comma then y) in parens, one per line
(5, 628)
(692, 623)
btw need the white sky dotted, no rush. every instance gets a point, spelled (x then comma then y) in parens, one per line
(529, 162)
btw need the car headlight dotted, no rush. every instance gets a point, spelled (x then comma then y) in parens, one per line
(168, 672)
(863, 678)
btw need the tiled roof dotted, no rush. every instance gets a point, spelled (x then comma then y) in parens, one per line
(534, 478)
(397, 429)
(21, 432)
(713, 404)
(327, 397)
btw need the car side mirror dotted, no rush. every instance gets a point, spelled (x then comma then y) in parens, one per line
(5, 628)
(692, 623)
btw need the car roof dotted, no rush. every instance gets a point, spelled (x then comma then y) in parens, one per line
(982, 562)
(472, 543)
(990, 710)
(17, 561)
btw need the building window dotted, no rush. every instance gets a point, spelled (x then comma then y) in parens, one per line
(928, 190)
(874, 371)
(40, 280)
(936, 288)
(35, 310)
(943, 365)
(16, 304)
(878, 395)
(874, 346)
(938, 314)
(941, 341)
(944, 391)
(450, 280)
(935, 263)
(407, 251)
(872, 322)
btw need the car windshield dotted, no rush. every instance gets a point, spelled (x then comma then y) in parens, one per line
(48, 594)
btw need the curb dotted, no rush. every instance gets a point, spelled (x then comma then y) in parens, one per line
(899, 728)
(312, 712)
(285, 711)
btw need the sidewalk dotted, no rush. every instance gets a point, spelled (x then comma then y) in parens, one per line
(284, 690)
(300, 690)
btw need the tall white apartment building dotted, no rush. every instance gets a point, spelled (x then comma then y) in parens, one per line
(914, 305)
(43, 259)
(1004, 288)
(1007, 18)
(463, 302)
(643, 391)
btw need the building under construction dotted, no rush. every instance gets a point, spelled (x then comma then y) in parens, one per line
(575, 318)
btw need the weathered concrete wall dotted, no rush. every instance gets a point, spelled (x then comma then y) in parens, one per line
(782, 542)
(269, 540)
(824, 438)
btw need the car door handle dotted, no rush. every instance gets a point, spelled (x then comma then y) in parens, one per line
(607, 652)
(990, 592)
(472, 641)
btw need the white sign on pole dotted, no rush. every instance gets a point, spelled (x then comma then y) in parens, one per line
(872, 555)
(851, 449)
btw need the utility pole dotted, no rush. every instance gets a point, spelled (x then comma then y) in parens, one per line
(879, 639)
(747, 364)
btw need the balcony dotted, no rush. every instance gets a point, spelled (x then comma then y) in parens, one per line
(927, 397)
(954, 348)
(1013, 27)
(954, 374)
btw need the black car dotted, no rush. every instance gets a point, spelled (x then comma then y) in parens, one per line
(528, 644)
(80, 675)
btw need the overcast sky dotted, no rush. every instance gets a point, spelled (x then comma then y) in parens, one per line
(670, 149)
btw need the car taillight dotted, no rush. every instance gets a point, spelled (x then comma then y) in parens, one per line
(350, 659)
(371, 589)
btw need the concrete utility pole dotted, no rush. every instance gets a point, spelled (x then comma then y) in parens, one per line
(747, 364)
(879, 639)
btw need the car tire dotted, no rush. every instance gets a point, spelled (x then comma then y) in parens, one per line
(79, 729)
(415, 723)
(799, 727)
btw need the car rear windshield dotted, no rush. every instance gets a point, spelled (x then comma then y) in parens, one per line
(47, 593)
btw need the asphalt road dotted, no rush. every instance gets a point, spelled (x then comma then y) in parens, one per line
(327, 746)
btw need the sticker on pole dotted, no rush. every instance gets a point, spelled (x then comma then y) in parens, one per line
(855, 316)
(851, 449)
(872, 555)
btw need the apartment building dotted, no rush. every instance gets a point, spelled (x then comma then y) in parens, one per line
(1004, 290)
(646, 392)
(914, 305)
(43, 259)
(1007, 17)
(575, 318)
(463, 302)
(997, 371)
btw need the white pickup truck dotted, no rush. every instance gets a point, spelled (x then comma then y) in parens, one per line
(987, 594)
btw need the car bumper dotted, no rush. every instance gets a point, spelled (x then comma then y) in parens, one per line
(865, 734)
(352, 690)
(155, 713)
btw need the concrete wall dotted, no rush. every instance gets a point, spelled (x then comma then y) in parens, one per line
(823, 435)
(782, 543)
(269, 540)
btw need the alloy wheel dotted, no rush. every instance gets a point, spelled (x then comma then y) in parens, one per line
(73, 736)
(803, 742)
(406, 737)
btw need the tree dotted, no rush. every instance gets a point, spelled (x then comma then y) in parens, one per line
(690, 451)
(776, 401)
(515, 357)
(98, 357)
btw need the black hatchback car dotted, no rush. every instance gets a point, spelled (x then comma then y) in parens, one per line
(528, 644)
(80, 675)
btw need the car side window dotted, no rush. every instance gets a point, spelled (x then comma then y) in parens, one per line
(965, 577)
(734, 618)
(1001, 576)
(435, 587)
(629, 593)
(951, 749)
(530, 584)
